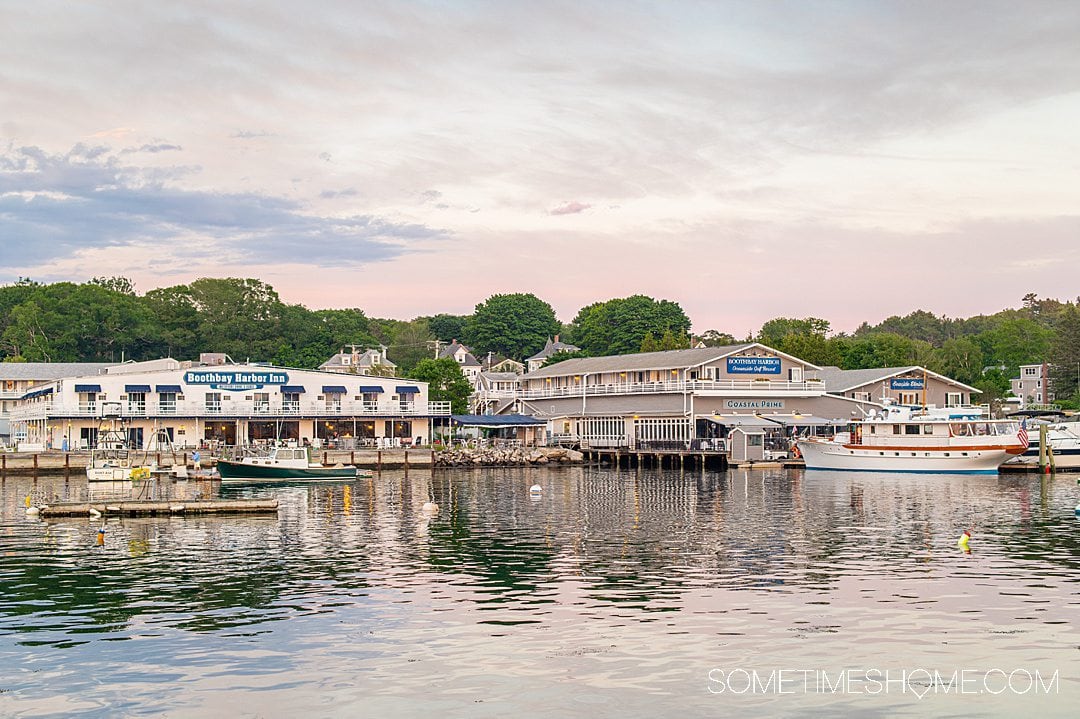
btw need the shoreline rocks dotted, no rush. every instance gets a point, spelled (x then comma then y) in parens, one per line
(507, 456)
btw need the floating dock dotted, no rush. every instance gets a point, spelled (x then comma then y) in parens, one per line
(143, 508)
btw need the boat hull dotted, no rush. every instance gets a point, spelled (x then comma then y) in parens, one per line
(230, 470)
(837, 456)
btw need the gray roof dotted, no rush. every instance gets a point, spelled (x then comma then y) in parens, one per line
(669, 359)
(45, 371)
(501, 376)
(551, 348)
(843, 380)
(336, 360)
(451, 349)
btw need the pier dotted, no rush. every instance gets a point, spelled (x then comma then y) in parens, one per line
(142, 508)
(658, 458)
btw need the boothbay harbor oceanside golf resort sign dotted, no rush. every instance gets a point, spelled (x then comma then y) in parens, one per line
(231, 381)
(753, 365)
(753, 404)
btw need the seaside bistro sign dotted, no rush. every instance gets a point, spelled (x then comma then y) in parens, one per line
(906, 383)
(235, 381)
(753, 404)
(753, 365)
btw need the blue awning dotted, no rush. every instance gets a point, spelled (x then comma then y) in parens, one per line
(407, 390)
(496, 420)
(38, 393)
(370, 389)
(136, 388)
(168, 388)
(292, 389)
(333, 389)
(87, 388)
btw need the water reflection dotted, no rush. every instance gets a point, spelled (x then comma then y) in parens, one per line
(639, 579)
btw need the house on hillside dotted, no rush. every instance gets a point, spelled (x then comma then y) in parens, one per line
(550, 348)
(358, 361)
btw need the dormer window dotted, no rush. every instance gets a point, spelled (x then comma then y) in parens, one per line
(375, 359)
(345, 359)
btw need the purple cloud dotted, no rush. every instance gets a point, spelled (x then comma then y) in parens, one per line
(570, 208)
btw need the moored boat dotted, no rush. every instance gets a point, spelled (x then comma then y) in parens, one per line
(1063, 441)
(910, 439)
(286, 463)
(112, 460)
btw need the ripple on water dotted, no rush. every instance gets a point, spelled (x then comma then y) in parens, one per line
(612, 589)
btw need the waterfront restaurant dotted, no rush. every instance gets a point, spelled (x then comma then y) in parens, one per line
(677, 398)
(217, 403)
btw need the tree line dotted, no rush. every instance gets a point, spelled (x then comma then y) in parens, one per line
(106, 320)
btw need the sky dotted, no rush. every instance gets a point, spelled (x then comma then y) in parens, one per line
(748, 160)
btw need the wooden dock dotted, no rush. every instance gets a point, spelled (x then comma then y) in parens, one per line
(142, 508)
(658, 458)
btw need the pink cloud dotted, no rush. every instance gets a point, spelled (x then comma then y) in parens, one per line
(570, 208)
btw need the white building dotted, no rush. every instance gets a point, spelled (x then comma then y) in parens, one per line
(197, 403)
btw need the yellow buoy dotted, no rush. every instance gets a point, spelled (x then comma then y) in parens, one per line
(964, 538)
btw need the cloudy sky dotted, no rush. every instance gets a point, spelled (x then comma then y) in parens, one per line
(845, 160)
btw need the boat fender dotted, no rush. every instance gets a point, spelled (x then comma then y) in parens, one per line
(177, 508)
(795, 452)
(430, 508)
(32, 511)
(101, 536)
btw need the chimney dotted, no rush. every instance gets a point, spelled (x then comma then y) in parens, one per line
(556, 339)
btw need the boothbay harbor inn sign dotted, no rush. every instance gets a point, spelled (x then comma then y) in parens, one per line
(235, 381)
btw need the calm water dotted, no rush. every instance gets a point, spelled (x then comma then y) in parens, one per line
(614, 593)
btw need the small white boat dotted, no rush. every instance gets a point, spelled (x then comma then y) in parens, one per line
(916, 439)
(112, 460)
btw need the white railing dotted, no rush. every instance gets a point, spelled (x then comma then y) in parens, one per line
(241, 408)
(742, 386)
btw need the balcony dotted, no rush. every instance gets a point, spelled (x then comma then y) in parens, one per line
(240, 409)
(706, 388)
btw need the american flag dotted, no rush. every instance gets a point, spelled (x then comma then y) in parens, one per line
(1023, 435)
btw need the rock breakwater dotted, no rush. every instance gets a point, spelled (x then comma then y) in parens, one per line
(506, 456)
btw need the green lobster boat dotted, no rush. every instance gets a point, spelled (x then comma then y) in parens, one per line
(285, 464)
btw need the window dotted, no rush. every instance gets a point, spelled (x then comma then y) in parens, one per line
(911, 429)
(167, 402)
(909, 398)
(375, 359)
(861, 396)
(755, 440)
(954, 399)
(290, 402)
(795, 374)
(213, 402)
(261, 402)
(137, 403)
(346, 360)
(1031, 371)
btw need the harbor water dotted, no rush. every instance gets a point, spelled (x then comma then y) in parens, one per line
(604, 594)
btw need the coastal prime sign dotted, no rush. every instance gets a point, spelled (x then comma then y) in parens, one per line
(753, 365)
(753, 404)
(235, 381)
(906, 383)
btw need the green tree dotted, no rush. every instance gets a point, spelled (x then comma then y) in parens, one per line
(713, 338)
(445, 381)
(620, 326)
(1064, 356)
(884, 349)
(410, 343)
(514, 325)
(449, 327)
(563, 356)
(774, 331)
(1016, 341)
(962, 359)
(241, 317)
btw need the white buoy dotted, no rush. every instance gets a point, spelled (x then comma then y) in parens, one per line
(430, 508)
(32, 511)
(94, 514)
(536, 489)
